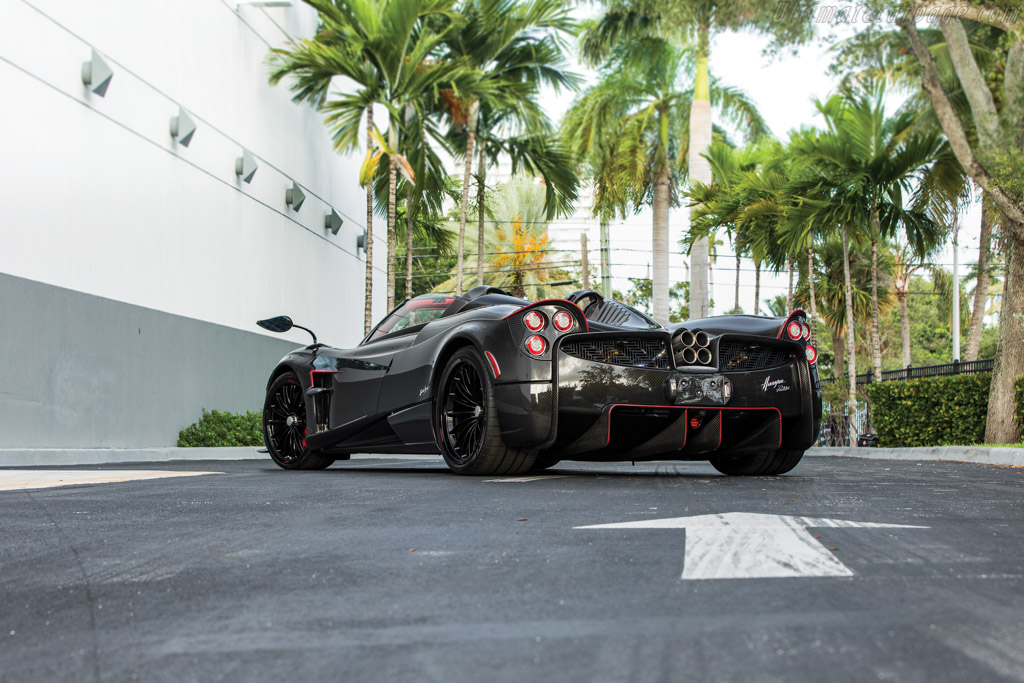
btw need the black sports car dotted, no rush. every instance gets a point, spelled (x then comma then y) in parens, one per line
(500, 385)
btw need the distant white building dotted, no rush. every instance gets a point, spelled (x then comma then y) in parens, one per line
(133, 266)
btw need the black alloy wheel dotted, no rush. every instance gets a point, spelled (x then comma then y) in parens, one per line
(463, 412)
(284, 426)
(466, 419)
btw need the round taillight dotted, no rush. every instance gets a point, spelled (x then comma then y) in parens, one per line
(811, 353)
(536, 345)
(534, 321)
(562, 321)
(794, 330)
(806, 329)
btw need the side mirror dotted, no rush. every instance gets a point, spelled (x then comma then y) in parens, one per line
(281, 323)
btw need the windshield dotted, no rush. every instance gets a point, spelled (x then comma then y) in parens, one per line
(418, 311)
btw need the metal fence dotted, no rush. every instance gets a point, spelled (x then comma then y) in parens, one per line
(838, 427)
(955, 368)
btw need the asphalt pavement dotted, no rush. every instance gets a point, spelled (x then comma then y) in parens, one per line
(396, 570)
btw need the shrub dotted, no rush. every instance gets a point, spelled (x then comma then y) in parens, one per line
(1019, 413)
(935, 411)
(217, 429)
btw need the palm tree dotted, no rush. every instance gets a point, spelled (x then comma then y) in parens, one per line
(516, 251)
(879, 164)
(692, 24)
(515, 47)
(386, 47)
(637, 121)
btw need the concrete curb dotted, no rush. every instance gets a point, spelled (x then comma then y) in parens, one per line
(1014, 457)
(21, 457)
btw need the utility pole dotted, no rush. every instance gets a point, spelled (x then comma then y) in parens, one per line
(956, 296)
(606, 260)
(586, 264)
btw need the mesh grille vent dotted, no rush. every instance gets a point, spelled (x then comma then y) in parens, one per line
(628, 352)
(742, 355)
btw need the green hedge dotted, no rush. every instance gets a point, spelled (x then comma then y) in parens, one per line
(1020, 403)
(217, 429)
(935, 411)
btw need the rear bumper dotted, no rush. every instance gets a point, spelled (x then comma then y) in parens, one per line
(599, 411)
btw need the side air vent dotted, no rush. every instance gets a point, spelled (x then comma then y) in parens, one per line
(608, 312)
(626, 351)
(744, 355)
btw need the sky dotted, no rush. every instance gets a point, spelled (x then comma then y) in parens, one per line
(784, 88)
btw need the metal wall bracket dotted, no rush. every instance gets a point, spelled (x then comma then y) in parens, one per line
(294, 196)
(245, 166)
(96, 74)
(333, 222)
(182, 127)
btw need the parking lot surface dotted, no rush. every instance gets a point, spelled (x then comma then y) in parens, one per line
(394, 569)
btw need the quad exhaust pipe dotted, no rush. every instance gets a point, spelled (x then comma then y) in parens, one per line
(692, 348)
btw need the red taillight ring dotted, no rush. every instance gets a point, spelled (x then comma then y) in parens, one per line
(794, 330)
(562, 321)
(534, 321)
(806, 330)
(811, 353)
(536, 345)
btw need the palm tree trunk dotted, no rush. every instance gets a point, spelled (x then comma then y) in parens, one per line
(1009, 364)
(905, 324)
(981, 287)
(789, 291)
(851, 350)
(481, 174)
(408, 243)
(736, 306)
(757, 288)
(659, 287)
(700, 169)
(839, 349)
(876, 341)
(462, 217)
(814, 300)
(392, 234)
(368, 307)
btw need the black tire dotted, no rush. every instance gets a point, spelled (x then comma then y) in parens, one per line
(543, 462)
(466, 416)
(767, 464)
(284, 426)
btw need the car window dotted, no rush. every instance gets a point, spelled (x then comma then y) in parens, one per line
(418, 311)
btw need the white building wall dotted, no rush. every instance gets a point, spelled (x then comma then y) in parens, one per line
(133, 268)
(99, 197)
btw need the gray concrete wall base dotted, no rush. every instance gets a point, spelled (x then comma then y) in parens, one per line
(51, 457)
(1013, 457)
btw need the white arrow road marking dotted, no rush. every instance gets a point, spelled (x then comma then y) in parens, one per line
(17, 480)
(523, 480)
(744, 545)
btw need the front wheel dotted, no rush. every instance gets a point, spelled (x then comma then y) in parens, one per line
(466, 416)
(765, 464)
(284, 426)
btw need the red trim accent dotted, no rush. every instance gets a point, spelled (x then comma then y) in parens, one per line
(494, 364)
(330, 372)
(685, 408)
(564, 302)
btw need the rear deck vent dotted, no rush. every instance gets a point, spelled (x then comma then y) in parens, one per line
(626, 351)
(744, 355)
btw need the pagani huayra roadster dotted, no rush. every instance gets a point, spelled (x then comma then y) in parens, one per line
(500, 385)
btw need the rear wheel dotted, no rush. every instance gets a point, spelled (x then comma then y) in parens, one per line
(769, 463)
(284, 426)
(467, 420)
